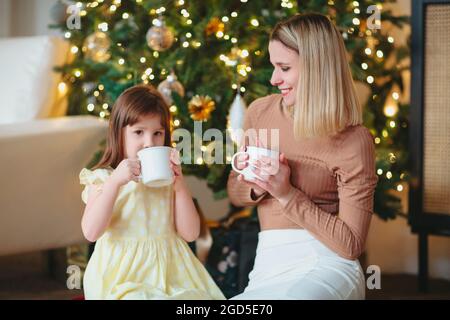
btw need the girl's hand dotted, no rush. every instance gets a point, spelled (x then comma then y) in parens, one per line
(175, 165)
(274, 176)
(127, 170)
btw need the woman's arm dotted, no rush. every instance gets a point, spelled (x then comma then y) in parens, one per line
(344, 233)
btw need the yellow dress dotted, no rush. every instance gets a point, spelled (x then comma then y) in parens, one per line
(140, 255)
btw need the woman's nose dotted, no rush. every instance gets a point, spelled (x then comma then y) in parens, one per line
(275, 79)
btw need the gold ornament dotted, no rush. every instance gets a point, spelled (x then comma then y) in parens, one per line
(214, 26)
(159, 37)
(200, 107)
(97, 46)
(171, 84)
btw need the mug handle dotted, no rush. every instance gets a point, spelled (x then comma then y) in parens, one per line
(232, 161)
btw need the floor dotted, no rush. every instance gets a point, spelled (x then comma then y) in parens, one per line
(27, 277)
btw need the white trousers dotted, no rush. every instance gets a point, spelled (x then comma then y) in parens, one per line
(292, 264)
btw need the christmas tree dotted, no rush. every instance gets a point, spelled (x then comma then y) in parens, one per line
(202, 54)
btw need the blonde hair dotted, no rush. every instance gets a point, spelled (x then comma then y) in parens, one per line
(326, 101)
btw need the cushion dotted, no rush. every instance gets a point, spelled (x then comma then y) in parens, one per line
(28, 83)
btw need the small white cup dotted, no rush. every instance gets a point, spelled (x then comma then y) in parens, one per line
(254, 153)
(155, 166)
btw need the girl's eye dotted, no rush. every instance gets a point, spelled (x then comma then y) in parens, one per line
(138, 132)
(285, 69)
(158, 133)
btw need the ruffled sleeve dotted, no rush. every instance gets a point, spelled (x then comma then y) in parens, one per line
(88, 178)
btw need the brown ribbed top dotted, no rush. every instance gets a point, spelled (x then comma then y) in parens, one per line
(334, 180)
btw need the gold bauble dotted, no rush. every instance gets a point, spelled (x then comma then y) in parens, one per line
(96, 47)
(171, 84)
(159, 37)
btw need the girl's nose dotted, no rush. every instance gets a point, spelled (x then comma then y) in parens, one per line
(149, 143)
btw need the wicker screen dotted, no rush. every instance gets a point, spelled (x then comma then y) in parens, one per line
(436, 170)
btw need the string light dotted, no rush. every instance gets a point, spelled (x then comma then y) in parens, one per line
(395, 95)
(103, 26)
(67, 35)
(101, 87)
(113, 8)
(219, 34)
(242, 89)
(74, 49)
(199, 159)
(370, 79)
(364, 66)
(254, 22)
(102, 114)
(125, 15)
(234, 14)
(390, 39)
(368, 51)
(355, 21)
(188, 21)
(142, 59)
(148, 71)
(390, 110)
(384, 133)
(105, 106)
(173, 109)
(225, 19)
(233, 40)
(392, 124)
(389, 175)
(380, 172)
(62, 88)
(176, 122)
(377, 140)
(379, 54)
(234, 86)
(90, 107)
(399, 188)
(185, 44)
(121, 61)
(96, 93)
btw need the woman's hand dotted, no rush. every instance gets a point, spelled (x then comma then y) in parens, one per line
(274, 176)
(242, 163)
(175, 165)
(127, 170)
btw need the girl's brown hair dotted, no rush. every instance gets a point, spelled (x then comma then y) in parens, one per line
(133, 103)
(326, 101)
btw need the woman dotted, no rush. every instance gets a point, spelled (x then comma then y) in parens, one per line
(314, 204)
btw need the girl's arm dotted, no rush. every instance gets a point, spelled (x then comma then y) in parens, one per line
(98, 212)
(186, 217)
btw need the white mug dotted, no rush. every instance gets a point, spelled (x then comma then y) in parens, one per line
(254, 153)
(155, 166)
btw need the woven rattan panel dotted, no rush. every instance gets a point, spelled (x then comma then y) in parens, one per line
(437, 110)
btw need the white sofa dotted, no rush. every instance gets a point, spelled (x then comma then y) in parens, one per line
(41, 151)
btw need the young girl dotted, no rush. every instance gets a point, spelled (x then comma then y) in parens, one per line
(141, 232)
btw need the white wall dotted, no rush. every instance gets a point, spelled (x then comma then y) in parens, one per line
(25, 18)
(390, 244)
